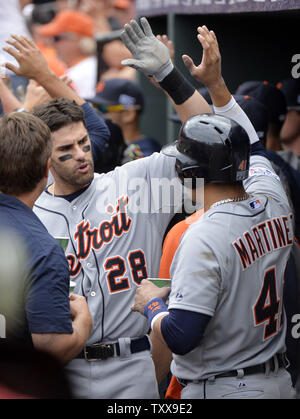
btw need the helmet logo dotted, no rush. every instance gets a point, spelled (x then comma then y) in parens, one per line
(243, 165)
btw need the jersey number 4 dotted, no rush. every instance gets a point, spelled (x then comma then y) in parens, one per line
(268, 307)
(117, 277)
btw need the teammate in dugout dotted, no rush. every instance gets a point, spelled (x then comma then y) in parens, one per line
(225, 322)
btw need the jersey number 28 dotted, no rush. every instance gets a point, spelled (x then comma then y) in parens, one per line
(117, 277)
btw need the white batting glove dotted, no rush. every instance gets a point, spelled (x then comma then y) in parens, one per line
(151, 56)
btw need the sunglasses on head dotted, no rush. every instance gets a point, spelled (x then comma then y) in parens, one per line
(58, 38)
(115, 108)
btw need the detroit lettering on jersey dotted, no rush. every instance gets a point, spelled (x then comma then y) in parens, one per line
(263, 238)
(88, 238)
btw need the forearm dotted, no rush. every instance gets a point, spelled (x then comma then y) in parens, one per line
(162, 357)
(157, 333)
(186, 100)
(180, 330)
(57, 88)
(63, 347)
(195, 105)
(219, 93)
(233, 111)
(99, 132)
(8, 99)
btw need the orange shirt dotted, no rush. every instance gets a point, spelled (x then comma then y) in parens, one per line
(54, 63)
(172, 241)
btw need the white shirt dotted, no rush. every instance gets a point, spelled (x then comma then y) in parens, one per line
(12, 22)
(84, 76)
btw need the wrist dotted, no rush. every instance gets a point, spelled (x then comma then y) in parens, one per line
(225, 108)
(216, 84)
(177, 87)
(219, 93)
(164, 71)
(45, 77)
(155, 308)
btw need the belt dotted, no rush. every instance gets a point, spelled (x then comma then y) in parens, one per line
(102, 351)
(277, 361)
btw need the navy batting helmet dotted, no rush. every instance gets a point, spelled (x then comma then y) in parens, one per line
(212, 147)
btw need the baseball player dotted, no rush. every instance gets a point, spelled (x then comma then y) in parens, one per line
(112, 246)
(225, 322)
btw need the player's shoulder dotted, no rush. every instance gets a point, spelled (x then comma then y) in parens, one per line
(264, 180)
(261, 166)
(43, 201)
(219, 221)
(156, 166)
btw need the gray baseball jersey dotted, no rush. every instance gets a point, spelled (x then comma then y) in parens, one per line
(114, 233)
(115, 230)
(230, 265)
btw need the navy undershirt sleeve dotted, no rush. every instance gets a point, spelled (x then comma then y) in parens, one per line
(183, 330)
(257, 149)
(98, 131)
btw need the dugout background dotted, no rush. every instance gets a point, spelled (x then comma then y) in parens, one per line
(254, 46)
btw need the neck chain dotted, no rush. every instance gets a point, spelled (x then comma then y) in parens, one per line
(226, 201)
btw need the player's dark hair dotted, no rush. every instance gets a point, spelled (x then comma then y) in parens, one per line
(25, 147)
(59, 113)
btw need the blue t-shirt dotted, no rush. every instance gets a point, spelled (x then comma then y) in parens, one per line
(142, 147)
(45, 307)
(147, 145)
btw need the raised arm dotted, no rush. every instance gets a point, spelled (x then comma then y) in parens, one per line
(209, 73)
(8, 99)
(33, 65)
(152, 57)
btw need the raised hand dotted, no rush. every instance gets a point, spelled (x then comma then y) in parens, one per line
(168, 43)
(150, 55)
(32, 63)
(35, 96)
(208, 71)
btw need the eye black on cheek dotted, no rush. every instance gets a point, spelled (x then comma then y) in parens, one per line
(86, 148)
(65, 157)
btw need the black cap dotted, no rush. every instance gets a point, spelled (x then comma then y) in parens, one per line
(118, 92)
(257, 113)
(291, 90)
(269, 95)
